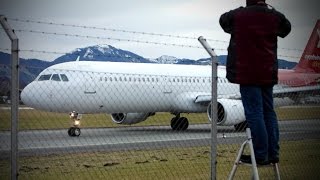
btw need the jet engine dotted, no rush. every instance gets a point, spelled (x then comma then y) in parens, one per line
(230, 112)
(129, 118)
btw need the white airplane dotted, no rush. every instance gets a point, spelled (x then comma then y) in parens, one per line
(131, 92)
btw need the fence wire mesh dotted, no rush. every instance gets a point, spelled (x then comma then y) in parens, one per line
(136, 125)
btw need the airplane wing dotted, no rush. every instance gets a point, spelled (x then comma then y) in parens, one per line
(205, 99)
(289, 91)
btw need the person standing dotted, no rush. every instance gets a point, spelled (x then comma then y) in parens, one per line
(252, 63)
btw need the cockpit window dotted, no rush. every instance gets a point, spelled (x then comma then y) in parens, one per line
(44, 77)
(55, 77)
(64, 77)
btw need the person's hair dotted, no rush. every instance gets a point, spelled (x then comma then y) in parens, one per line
(253, 2)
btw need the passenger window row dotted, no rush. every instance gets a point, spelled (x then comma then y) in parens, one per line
(153, 79)
(130, 79)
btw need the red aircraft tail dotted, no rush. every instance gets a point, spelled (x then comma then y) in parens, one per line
(310, 59)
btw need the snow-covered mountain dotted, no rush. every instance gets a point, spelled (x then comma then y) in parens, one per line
(102, 52)
(165, 59)
(109, 53)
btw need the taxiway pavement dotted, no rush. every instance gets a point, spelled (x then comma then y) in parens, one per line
(36, 142)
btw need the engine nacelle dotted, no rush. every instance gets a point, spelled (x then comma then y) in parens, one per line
(129, 118)
(230, 112)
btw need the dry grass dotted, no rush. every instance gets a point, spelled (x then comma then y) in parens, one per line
(298, 160)
(34, 119)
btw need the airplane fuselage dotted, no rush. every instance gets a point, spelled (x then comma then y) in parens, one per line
(111, 87)
(107, 87)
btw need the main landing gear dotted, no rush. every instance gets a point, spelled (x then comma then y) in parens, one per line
(74, 130)
(179, 123)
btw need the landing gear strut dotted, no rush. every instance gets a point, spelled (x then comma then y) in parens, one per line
(179, 123)
(74, 130)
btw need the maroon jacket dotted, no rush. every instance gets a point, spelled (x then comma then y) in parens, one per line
(252, 52)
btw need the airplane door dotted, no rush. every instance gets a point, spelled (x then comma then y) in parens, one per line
(90, 84)
(166, 84)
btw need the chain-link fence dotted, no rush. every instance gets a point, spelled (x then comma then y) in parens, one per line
(111, 120)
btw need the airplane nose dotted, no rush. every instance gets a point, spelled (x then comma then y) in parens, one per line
(26, 95)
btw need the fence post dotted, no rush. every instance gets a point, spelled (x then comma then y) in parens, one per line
(14, 94)
(214, 105)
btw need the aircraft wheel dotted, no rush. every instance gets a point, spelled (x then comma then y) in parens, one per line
(70, 131)
(179, 124)
(76, 132)
(73, 131)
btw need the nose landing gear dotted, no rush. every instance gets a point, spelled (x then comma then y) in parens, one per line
(74, 130)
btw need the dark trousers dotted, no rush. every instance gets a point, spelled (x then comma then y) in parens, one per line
(262, 120)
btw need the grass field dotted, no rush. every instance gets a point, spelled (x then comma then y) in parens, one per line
(298, 160)
(34, 119)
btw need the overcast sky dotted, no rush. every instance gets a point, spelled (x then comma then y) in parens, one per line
(191, 18)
